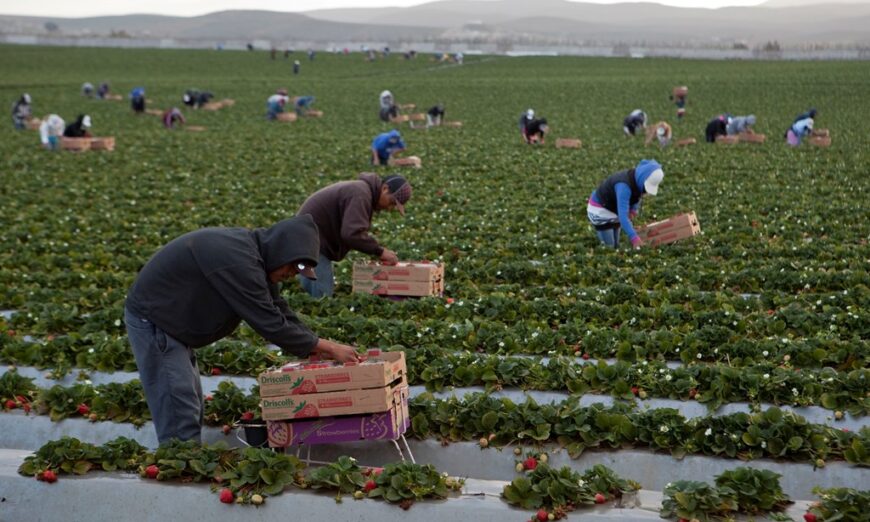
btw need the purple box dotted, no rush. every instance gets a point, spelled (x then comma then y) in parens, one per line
(389, 425)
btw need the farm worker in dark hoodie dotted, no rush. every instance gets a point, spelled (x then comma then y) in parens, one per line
(21, 112)
(79, 128)
(137, 100)
(617, 200)
(343, 213)
(195, 290)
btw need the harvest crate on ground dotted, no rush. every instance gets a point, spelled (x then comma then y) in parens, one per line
(681, 226)
(568, 143)
(75, 144)
(414, 279)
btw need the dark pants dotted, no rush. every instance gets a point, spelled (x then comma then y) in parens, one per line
(170, 378)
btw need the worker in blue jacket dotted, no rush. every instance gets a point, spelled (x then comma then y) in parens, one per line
(385, 145)
(617, 200)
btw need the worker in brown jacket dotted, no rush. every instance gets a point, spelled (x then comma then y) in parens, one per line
(343, 213)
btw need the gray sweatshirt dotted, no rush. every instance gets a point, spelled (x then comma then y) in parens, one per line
(201, 285)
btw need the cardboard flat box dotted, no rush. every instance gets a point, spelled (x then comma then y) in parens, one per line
(401, 118)
(154, 112)
(285, 116)
(418, 116)
(751, 137)
(400, 288)
(726, 140)
(451, 123)
(33, 124)
(682, 90)
(75, 144)
(346, 402)
(678, 227)
(103, 143)
(820, 141)
(568, 143)
(389, 425)
(314, 114)
(410, 161)
(194, 128)
(686, 141)
(402, 271)
(304, 378)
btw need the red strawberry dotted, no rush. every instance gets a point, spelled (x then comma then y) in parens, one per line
(49, 476)
(11, 333)
(226, 496)
(600, 499)
(83, 409)
(307, 386)
(11, 405)
(309, 410)
(26, 407)
(215, 371)
(542, 515)
(449, 300)
(248, 416)
(209, 398)
(635, 390)
(369, 485)
(152, 471)
(809, 517)
(226, 428)
(585, 356)
(377, 471)
(692, 393)
(530, 463)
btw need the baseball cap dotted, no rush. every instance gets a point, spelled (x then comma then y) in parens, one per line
(86, 121)
(400, 189)
(530, 114)
(306, 269)
(651, 185)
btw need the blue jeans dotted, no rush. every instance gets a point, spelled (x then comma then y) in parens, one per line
(170, 378)
(325, 284)
(609, 237)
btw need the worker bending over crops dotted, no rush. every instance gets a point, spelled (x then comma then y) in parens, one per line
(617, 201)
(196, 290)
(343, 213)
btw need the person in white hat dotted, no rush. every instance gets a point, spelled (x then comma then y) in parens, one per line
(617, 200)
(525, 120)
(21, 112)
(79, 128)
(50, 131)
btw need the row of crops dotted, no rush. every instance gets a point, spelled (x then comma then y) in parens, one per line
(768, 306)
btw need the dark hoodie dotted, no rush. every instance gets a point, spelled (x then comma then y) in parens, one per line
(199, 286)
(343, 214)
(77, 128)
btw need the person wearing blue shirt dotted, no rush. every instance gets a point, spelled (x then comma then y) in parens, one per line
(801, 127)
(302, 104)
(385, 145)
(617, 200)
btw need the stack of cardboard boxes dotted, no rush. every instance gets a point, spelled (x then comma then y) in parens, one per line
(412, 279)
(678, 227)
(327, 402)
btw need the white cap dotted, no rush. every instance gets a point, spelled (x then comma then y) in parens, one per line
(661, 131)
(86, 121)
(26, 98)
(530, 114)
(651, 185)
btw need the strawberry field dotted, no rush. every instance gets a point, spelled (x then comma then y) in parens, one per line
(745, 346)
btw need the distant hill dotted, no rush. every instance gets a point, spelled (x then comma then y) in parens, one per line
(542, 21)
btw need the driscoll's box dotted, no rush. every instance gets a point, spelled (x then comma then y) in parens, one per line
(387, 425)
(346, 402)
(376, 371)
(402, 288)
(402, 271)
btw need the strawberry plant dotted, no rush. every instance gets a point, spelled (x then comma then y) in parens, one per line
(229, 405)
(689, 499)
(406, 482)
(261, 471)
(17, 389)
(190, 461)
(841, 504)
(344, 476)
(562, 490)
(755, 490)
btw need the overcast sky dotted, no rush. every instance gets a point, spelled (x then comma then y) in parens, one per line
(82, 8)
